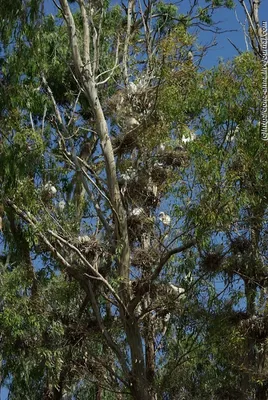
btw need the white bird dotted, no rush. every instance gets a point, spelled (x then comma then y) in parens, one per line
(131, 123)
(61, 205)
(145, 241)
(132, 88)
(164, 218)
(158, 165)
(188, 138)
(125, 177)
(50, 189)
(230, 137)
(237, 130)
(138, 310)
(129, 174)
(162, 147)
(190, 55)
(142, 83)
(167, 318)
(176, 290)
(136, 212)
(188, 277)
(83, 239)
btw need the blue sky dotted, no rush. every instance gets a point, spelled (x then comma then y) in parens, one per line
(227, 21)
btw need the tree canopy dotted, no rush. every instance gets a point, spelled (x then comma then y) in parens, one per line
(133, 203)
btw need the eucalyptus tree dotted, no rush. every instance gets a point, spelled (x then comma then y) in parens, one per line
(100, 105)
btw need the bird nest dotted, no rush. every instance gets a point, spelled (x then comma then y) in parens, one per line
(160, 174)
(138, 225)
(145, 259)
(240, 245)
(175, 158)
(125, 142)
(211, 262)
(142, 192)
(88, 245)
(256, 327)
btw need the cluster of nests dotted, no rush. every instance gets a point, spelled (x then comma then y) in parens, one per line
(143, 186)
(162, 298)
(128, 142)
(239, 260)
(133, 110)
(140, 227)
(143, 192)
(135, 100)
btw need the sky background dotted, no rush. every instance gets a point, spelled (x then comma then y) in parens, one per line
(228, 21)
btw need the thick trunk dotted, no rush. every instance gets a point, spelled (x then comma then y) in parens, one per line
(98, 393)
(139, 384)
(120, 219)
(141, 392)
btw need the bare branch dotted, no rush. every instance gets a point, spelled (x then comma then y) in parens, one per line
(116, 65)
(167, 256)
(130, 8)
(86, 36)
(74, 108)
(68, 16)
(85, 184)
(26, 216)
(32, 123)
(254, 25)
(43, 119)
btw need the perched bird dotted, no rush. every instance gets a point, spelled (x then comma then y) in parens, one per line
(188, 277)
(132, 88)
(162, 147)
(131, 173)
(83, 239)
(230, 137)
(145, 241)
(176, 290)
(237, 130)
(136, 212)
(158, 165)
(143, 83)
(61, 205)
(164, 218)
(188, 138)
(190, 55)
(131, 123)
(166, 318)
(125, 178)
(50, 189)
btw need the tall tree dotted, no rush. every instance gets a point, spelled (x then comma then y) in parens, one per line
(106, 120)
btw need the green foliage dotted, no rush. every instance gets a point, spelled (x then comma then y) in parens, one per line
(214, 188)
